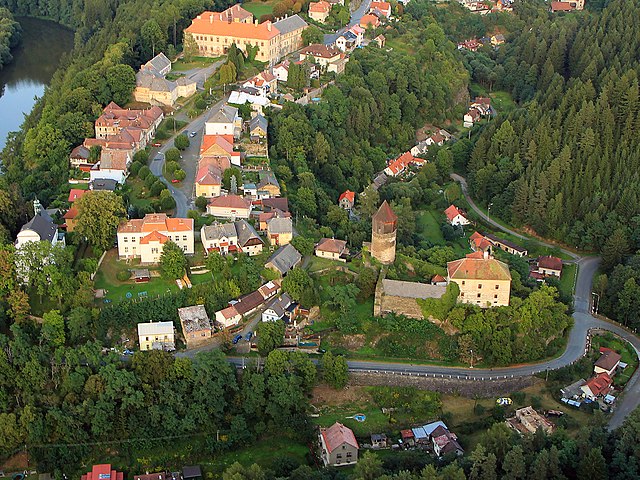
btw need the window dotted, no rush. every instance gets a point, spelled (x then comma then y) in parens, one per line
(462, 294)
(478, 295)
(184, 237)
(125, 239)
(495, 296)
(497, 287)
(462, 282)
(479, 285)
(154, 250)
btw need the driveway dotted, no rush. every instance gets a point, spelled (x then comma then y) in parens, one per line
(200, 75)
(183, 194)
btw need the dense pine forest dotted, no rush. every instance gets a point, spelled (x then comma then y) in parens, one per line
(9, 36)
(566, 164)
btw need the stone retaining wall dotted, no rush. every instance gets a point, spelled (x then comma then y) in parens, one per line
(465, 387)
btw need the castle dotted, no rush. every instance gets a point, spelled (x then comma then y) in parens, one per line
(383, 234)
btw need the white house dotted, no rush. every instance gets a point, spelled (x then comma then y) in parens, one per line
(113, 165)
(229, 206)
(145, 238)
(225, 121)
(281, 71)
(41, 228)
(156, 336)
(455, 217)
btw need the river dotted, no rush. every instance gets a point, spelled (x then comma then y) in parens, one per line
(35, 60)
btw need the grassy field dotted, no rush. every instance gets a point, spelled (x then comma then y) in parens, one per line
(429, 227)
(259, 8)
(567, 280)
(106, 278)
(198, 62)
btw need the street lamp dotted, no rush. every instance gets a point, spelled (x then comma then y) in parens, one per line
(489, 210)
(471, 358)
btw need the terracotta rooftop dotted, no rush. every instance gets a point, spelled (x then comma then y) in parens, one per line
(476, 267)
(349, 195)
(336, 435)
(552, 263)
(320, 7)
(385, 214)
(229, 201)
(608, 360)
(332, 245)
(599, 384)
(452, 212)
(214, 23)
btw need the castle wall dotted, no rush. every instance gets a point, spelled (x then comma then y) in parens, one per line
(383, 247)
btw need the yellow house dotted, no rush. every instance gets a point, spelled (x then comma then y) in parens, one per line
(208, 182)
(280, 231)
(156, 336)
(482, 280)
(319, 11)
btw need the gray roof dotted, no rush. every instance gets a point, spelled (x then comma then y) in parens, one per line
(280, 304)
(194, 318)
(158, 63)
(219, 230)
(191, 471)
(42, 225)
(268, 178)
(397, 288)
(104, 184)
(285, 258)
(258, 121)
(226, 114)
(153, 82)
(246, 232)
(280, 225)
(289, 24)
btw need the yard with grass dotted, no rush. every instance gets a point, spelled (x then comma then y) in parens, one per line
(259, 8)
(181, 65)
(117, 291)
(429, 227)
(624, 349)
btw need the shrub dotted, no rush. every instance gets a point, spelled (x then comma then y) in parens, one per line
(168, 203)
(144, 172)
(182, 142)
(156, 188)
(172, 155)
(123, 275)
(150, 180)
(135, 168)
(179, 174)
(201, 203)
(171, 167)
(141, 156)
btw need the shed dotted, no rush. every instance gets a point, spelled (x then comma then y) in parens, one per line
(142, 275)
(191, 472)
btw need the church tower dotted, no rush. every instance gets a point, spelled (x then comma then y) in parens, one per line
(383, 234)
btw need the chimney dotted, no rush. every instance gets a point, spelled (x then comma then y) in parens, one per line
(485, 254)
(211, 18)
(255, 23)
(268, 25)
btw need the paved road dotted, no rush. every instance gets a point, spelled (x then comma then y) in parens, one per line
(356, 15)
(200, 75)
(183, 195)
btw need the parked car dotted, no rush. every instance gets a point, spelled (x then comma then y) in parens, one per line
(127, 352)
(193, 134)
(236, 339)
(175, 180)
(248, 336)
(157, 144)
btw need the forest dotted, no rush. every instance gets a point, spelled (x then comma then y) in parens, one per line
(9, 36)
(565, 163)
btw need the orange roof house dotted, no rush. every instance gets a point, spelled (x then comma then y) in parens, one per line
(455, 216)
(75, 194)
(347, 199)
(383, 7)
(400, 164)
(319, 11)
(369, 20)
(481, 279)
(103, 472)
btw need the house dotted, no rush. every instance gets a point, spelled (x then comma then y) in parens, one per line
(280, 230)
(320, 54)
(265, 83)
(153, 476)
(249, 241)
(402, 297)
(208, 181)
(70, 219)
(607, 363)
(193, 472)
(380, 40)
(265, 217)
(455, 216)
(126, 126)
(497, 40)
(283, 308)
(407, 438)
(224, 121)
(471, 44)
(269, 183)
(229, 206)
(546, 266)
(79, 158)
(378, 440)
(319, 11)
(104, 184)
(482, 280)
(258, 128)
(274, 204)
(332, 249)
(196, 326)
(384, 8)
(246, 305)
(570, 6)
(483, 105)
(218, 150)
(75, 194)
(421, 437)
(227, 317)
(236, 237)
(214, 32)
(528, 421)
(480, 243)
(338, 446)
(347, 199)
(402, 163)
(472, 116)
(439, 280)
(507, 246)
(113, 164)
(281, 71)
(598, 386)
(445, 442)
(145, 238)
(284, 259)
(369, 21)
(156, 336)
(152, 86)
(103, 472)
(41, 228)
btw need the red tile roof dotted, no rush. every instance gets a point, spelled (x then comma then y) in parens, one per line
(385, 214)
(561, 7)
(154, 237)
(224, 141)
(475, 267)
(599, 384)
(452, 212)
(229, 201)
(403, 161)
(349, 195)
(369, 19)
(75, 194)
(71, 214)
(549, 262)
(331, 245)
(103, 472)
(437, 278)
(208, 175)
(320, 7)
(336, 435)
(215, 23)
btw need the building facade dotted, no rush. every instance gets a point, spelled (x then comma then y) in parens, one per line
(156, 336)
(482, 280)
(145, 238)
(383, 234)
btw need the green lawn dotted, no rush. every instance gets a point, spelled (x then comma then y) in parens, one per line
(567, 280)
(198, 62)
(117, 290)
(258, 8)
(429, 227)
(502, 101)
(263, 452)
(624, 349)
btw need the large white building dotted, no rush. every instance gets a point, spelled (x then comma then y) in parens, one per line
(145, 238)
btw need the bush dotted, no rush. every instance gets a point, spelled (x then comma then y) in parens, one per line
(156, 188)
(141, 156)
(201, 104)
(179, 174)
(182, 142)
(171, 167)
(144, 172)
(150, 180)
(201, 203)
(172, 155)
(123, 275)
(168, 203)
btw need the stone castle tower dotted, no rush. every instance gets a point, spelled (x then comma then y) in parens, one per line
(383, 234)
